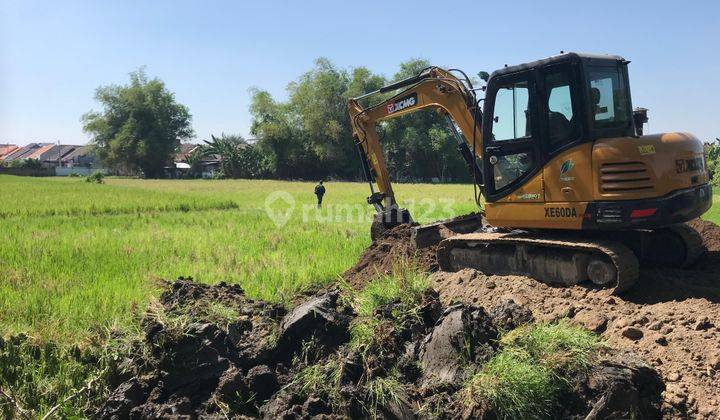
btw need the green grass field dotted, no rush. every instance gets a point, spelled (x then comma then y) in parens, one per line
(78, 258)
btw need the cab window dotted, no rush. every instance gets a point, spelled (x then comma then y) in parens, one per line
(510, 112)
(608, 98)
(563, 125)
(511, 167)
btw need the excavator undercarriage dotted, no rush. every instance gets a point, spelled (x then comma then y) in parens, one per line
(607, 260)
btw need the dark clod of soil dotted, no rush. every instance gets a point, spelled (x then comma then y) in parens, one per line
(463, 336)
(214, 353)
(212, 350)
(620, 386)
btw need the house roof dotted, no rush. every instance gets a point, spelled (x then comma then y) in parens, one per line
(6, 149)
(25, 152)
(40, 150)
(184, 150)
(79, 151)
(62, 150)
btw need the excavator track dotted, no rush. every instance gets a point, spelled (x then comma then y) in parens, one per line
(694, 247)
(549, 259)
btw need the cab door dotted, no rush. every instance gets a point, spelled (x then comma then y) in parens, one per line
(568, 171)
(511, 149)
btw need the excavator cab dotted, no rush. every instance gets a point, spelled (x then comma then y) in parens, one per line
(535, 111)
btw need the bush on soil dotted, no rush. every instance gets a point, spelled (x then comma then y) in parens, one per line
(533, 367)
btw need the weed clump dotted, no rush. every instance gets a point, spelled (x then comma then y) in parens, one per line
(96, 177)
(532, 369)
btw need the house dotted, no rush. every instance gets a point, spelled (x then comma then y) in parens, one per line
(6, 149)
(27, 152)
(53, 157)
(210, 163)
(39, 151)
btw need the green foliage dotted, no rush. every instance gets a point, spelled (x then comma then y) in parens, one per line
(25, 163)
(515, 386)
(561, 346)
(405, 286)
(712, 159)
(238, 159)
(195, 160)
(381, 391)
(96, 177)
(525, 378)
(39, 376)
(140, 127)
(310, 135)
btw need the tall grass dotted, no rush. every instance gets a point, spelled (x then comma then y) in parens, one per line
(77, 257)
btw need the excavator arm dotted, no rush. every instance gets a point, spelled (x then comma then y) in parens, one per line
(433, 88)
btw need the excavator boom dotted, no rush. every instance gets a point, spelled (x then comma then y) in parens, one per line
(433, 88)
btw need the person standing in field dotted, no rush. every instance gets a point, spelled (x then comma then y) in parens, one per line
(319, 192)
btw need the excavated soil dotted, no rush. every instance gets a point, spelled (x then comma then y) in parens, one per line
(384, 255)
(211, 352)
(671, 318)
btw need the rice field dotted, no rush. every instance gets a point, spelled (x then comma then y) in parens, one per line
(78, 259)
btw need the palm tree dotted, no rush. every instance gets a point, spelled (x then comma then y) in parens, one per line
(230, 149)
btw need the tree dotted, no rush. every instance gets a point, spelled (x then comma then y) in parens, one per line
(420, 145)
(712, 157)
(238, 159)
(140, 127)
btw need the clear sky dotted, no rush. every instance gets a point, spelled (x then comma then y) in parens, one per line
(53, 54)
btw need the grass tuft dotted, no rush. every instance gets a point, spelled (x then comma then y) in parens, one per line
(561, 346)
(405, 287)
(514, 385)
(534, 364)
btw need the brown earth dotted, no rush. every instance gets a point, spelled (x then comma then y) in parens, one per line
(211, 352)
(671, 317)
(394, 248)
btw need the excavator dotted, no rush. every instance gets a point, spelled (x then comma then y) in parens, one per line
(572, 189)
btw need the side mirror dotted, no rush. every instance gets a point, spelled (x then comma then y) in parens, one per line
(484, 75)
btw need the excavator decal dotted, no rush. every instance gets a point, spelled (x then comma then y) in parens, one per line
(403, 103)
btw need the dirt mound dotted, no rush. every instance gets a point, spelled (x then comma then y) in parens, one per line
(209, 351)
(671, 318)
(710, 233)
(395, 247)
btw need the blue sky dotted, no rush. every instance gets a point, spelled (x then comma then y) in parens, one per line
(53, 54)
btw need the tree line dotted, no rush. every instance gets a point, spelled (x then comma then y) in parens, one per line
(307, 136)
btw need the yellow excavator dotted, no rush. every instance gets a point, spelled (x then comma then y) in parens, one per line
(573, 191)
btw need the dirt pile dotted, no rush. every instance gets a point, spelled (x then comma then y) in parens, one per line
(671, 318)
(394, 247)
(209, 351)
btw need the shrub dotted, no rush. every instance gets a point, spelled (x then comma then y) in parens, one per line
(96, 177)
